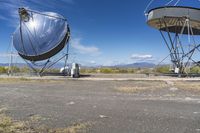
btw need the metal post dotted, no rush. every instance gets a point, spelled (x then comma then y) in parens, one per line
(11, 58)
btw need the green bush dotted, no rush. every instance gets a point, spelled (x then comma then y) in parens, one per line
(163, 69)
(52, 70)
(122, 71)
(89, 70)
(15, 69)
(131, 70)
(195, 69)
(24, 70)
(106, 70)
(146, 71)
(3, 69)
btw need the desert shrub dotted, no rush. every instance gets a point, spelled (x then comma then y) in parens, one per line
(116, 70)
(106, 70)
(163, 69)
(3, 69)
(146, 71)
(52, 70)
(131, 70)
(88, 70)
(15, 69)
(195, 69)
(24, 70)
(83, 71)
(122, 70)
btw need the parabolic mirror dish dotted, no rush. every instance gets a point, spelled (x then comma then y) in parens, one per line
(175, 19)
(41, 36)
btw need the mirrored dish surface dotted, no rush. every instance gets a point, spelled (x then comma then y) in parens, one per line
(174, 18)
(41, 37)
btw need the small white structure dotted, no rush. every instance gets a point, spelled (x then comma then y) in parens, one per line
(75, 70)
(176, 70)
(65, 71)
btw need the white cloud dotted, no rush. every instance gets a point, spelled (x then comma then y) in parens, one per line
(92, 62)
(141, 57)
(83, 49)
(11, 15)
(11, 7)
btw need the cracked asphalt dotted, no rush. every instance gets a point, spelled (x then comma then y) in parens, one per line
(61, 103)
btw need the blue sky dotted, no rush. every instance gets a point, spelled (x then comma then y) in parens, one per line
(105, 32)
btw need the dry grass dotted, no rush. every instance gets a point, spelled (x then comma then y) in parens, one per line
(188, 85)
(134, 89)
(76, 128)
(27, 80)
(13, 79)
(36, 118)
(8, 125)
(141, 86)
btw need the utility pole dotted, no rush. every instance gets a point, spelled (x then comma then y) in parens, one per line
(11, 57)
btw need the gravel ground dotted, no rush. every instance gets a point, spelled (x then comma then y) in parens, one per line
(153, 106)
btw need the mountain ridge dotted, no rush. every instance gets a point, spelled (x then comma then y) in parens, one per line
(131, 65)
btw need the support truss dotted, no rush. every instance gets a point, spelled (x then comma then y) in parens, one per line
(39, 69)
(181, 55)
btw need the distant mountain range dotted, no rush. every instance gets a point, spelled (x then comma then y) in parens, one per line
(133, 65)
(16, 64)
(137, 65)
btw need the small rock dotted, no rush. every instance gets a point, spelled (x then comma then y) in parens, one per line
(182, 117)
(173, 89)
(188, 98)
(103, 116)
(29, 115)
(198, 130)
(71, 103)
(196, 112)
(170, 83)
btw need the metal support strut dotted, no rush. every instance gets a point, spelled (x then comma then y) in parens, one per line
(181, 57)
